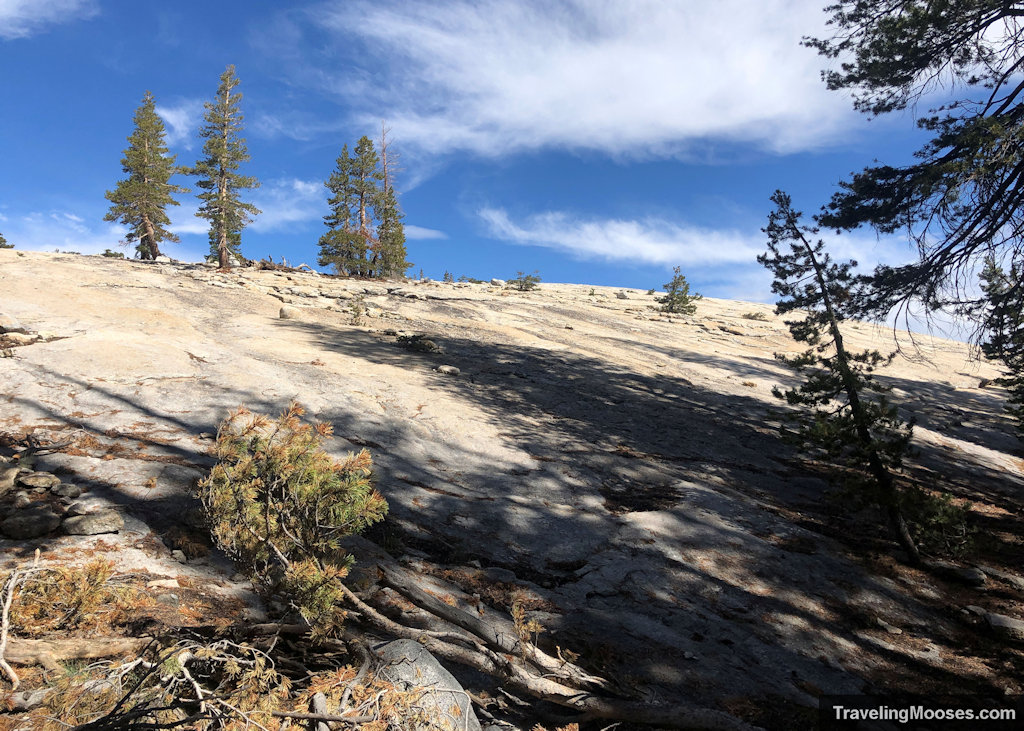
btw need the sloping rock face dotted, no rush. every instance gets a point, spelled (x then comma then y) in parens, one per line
(621, 467)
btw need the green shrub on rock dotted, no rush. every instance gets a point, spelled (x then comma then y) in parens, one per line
(677, 299)
(278, 505)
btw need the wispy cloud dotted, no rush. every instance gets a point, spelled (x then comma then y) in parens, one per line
(24, 18)
(182, 120)
(419, 233)
(64, 230)
(285, 203)
(639, 79)
(726, 259)
(647, 241)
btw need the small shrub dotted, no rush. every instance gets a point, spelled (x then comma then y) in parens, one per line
(592, 292)
(754, 316)
(4, 244)
(524, 282)
(357, 308)
(418, 343)
(650, 291)
(678, 299)
(939, 525)
(471, 280)
(278, 505)
(70, 598)
(112, 254)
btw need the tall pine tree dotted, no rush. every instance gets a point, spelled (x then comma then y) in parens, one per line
(1003, 321)
(224, 151)
(390, 231)
(365, 235)
(851, 419)
(342, 247)
(139, 201)
(364, 178)
(390, 261)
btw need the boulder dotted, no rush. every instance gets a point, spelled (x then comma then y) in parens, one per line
(86, 506)
(21, 338)
(410, 666)
(9, 324)
(622, 295)
(497, 282)
(66, 489)
(30, 523)
(448, 370)
(7, 477)
(91, 524)
(38, 479)
(288, 313)
(1004, 626)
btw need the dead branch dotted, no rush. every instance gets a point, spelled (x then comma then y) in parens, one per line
(325, 717)
(497, 640)
(14, 580)
(506, 668)
(50, 653)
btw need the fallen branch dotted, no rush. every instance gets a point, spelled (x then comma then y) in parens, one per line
(325, 717)
(16, 578)
(50, 653)
(500, 641)
(506, 668)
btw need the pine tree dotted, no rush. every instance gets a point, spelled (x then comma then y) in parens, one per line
(140, 200)
(678, 299)
(364, 177)
(224, 153)
(390, 230)
(1003, 321)
(962, 196)
(342, 247)
(362, 194)
(4, 244)
(390, 237)
(851, 425)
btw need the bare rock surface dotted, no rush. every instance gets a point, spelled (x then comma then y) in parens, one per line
(621, 464)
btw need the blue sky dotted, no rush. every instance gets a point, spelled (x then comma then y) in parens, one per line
(596, 141)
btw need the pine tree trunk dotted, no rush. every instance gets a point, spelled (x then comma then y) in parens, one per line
(150, 248)
(890, 496)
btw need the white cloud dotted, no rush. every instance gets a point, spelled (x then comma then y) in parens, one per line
(182, 121)
(62, 230)
(640, 79)
(725, 261)
(283, 203)
(419, 233)
(184, 221)
(288, 202)
(648, 241)
(23, 18)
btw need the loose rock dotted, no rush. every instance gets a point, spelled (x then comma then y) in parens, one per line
(448, 370)
(408, 663)
(9, 324)
(288, 313)
(103, 521)
(39, 479)
(1008, 627)
(66, 489)
(86, 506)
(31, 523)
